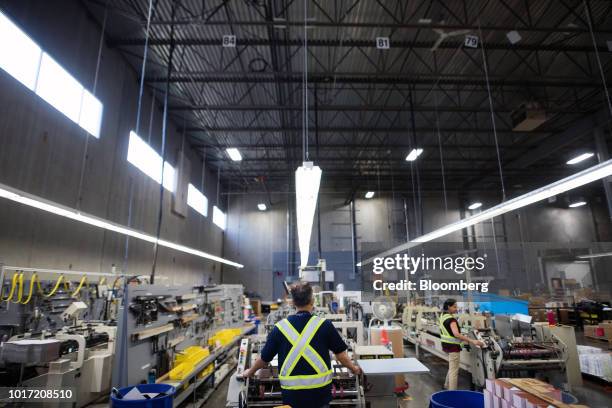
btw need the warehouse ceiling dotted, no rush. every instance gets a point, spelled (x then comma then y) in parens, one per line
(368, 107)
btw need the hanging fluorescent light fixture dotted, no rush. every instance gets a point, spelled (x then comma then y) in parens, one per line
(577, 204)
(580, 158)
(262, 207)
(307, 182)
(597, 172)
(414, 154)
(234, 153)
(474, 206)
(31, 200)
(598, 255)
(369, 194)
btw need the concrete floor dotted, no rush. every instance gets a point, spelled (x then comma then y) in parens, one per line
(423, 385)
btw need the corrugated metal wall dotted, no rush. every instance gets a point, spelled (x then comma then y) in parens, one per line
(41, 152)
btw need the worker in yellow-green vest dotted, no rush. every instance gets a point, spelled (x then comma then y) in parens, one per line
(303, 342)
(451, 341)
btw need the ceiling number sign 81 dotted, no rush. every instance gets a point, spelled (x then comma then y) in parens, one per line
(229, 40)
(471, 41)
(382, 43)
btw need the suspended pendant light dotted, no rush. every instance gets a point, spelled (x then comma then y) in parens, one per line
(307, 182)
(307, 176)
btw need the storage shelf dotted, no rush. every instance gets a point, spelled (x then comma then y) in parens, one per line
(183, 395)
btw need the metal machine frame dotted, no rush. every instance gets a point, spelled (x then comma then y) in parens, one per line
(539, 348)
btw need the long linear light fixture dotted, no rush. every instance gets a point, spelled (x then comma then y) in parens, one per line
(597, 172)
(597, 255)
(31, 200)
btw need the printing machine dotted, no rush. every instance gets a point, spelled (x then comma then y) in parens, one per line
(513, 348)
(77, 357)
(531, 350)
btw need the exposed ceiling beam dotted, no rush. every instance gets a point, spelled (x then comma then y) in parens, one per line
(378, 24)
(340, 160)
(380, 78)
(396, 173)
(355, 108)
(339, 129)
(394, 146)
(218, 42)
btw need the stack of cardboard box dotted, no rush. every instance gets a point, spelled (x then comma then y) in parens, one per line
(595, 361)
(523, 393)
(538, 315)
(256, 305)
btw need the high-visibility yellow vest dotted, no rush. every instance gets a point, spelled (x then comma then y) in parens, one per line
(445, 336)
(302, 349)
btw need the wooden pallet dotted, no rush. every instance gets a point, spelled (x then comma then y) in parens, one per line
(600, 338)
(533, 387)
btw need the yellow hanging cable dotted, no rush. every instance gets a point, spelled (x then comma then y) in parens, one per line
(78, 289)
(33, 280)
(55, 288)
(102, 281)
(20, 290)
(13, 286)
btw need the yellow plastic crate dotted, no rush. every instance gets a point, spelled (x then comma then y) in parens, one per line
(186, 361)
(224, 337)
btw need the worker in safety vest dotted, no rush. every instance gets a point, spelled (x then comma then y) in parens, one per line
(451, 341)
(303, 342)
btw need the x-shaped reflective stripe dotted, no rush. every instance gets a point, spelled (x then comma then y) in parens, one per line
(301, 346)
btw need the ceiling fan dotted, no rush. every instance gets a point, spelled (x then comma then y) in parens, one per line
(443, 35)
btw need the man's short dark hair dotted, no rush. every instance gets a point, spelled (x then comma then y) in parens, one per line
(448, 304)
(301, 293)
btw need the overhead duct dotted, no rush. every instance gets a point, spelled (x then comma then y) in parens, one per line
(529, 116)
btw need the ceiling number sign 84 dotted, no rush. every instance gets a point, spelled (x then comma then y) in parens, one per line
(382, 43)
(229, 40)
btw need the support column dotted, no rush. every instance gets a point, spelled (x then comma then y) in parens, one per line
(602, 155)
(353, 274)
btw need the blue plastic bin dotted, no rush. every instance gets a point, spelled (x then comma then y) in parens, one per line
(457, 399)
(568, 398)
(500, 305)
(161, 402)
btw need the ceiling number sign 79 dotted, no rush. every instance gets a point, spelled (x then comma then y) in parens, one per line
(471, 41)
(382, 43)
(229, 40)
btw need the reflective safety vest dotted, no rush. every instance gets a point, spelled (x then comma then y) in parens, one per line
(445, 336)
(302, 349)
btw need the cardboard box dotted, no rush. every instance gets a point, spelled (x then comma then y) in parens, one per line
(488, 398)
(589, 331)
(519, 399)
(490, 386)
(256, 304)
(566, 316)
(499, 388)
(535, 402)
(532, 388)
(607, 329)
(508, 392)
(538, 315)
